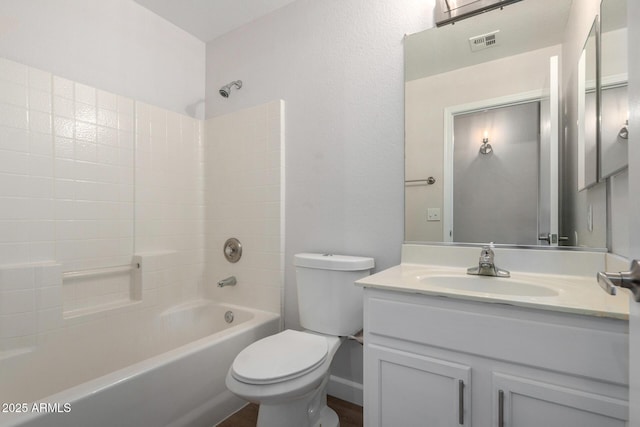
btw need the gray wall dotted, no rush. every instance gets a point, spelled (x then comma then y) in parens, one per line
(495, 196)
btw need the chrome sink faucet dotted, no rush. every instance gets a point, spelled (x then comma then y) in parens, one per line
(486, 266)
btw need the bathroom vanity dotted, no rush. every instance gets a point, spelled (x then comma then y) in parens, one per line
(446, 349)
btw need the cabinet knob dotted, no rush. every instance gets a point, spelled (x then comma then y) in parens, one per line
(461, 402)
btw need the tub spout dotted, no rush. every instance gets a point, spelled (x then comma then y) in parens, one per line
(229, 281)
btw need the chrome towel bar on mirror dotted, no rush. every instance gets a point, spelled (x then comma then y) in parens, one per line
(429, 181)
(625, 279)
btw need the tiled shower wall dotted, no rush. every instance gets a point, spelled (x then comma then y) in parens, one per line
(91, 179)
(87, 179)
(27, 231)
(169, 199)
(93, 176)
(244, 178)
(67, 171)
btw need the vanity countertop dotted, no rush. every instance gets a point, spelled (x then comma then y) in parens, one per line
(569, 293)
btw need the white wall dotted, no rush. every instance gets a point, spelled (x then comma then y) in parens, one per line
(114, 45)
(339, 68)
(620, 217)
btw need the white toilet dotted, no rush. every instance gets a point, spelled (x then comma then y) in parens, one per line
(287, 373)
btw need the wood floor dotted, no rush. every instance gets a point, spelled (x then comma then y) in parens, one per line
(350, 415)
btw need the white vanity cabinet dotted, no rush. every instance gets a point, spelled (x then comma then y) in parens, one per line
(416, 390)
(526, 402)
(437, 362)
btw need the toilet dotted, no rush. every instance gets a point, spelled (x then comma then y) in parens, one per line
(287, 373)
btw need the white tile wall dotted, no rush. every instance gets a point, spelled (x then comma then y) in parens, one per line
(169, 194)
(94, 159)
(66, 171)
(30, 302)
(68, 191)
(160, 283)
(89, 178)
(244, 199)
(26, 165)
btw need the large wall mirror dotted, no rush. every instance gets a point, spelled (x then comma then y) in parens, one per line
(482, 160)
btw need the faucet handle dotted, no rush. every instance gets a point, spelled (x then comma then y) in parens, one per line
(487, 250)
(486, 258)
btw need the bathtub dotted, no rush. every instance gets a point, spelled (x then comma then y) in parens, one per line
(152, 370)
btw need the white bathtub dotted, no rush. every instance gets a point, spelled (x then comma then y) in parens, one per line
(160, 370)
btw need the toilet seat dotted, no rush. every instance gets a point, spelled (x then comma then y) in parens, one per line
(284, 356)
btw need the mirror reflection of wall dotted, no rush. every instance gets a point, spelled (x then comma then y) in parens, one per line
(614, 130)
(500, 184)
(615, 109)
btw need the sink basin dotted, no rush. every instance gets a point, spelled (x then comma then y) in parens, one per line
(488, 285)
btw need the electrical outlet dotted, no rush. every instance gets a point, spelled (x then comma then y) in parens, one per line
(590, 218)
(433, 214)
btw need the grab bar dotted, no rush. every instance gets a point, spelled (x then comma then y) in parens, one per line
(100, 271)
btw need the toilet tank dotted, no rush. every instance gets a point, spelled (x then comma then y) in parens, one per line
(328, 300)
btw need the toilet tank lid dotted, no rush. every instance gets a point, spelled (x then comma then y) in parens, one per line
(333, 262)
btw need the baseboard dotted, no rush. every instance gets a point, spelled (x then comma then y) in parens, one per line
(345, 389)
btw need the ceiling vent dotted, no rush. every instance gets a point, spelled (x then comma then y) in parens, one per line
(484, 41)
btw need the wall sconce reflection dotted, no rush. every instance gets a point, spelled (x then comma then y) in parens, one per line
(486, 148)
(623, 133)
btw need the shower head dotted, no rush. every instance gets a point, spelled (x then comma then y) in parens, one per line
(226, 89)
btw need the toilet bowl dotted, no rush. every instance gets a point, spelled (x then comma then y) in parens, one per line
(287, 373)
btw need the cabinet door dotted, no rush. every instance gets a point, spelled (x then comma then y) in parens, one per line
(410, 390)
(521, 402)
